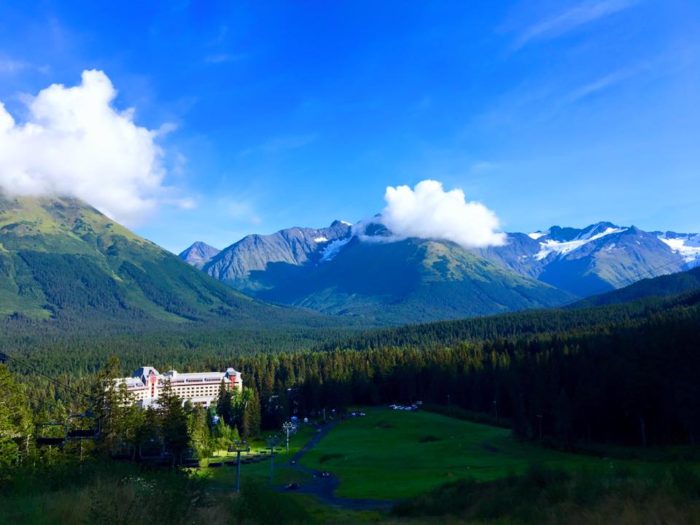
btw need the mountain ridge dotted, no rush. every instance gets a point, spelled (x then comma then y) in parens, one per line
(291, 267)
(336, 271)
(586, 261)
(61, 259)
(674, 284)
(254, 252)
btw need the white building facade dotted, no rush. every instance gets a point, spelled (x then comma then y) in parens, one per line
(199, 388)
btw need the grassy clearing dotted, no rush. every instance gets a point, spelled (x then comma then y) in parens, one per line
(384, 455)
(547, 496)
(259, 472)
(394, 454)
(257, 475)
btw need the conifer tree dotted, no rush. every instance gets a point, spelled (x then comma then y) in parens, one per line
(173, 423)
(15, 420)
(225, 406)
(110, 400)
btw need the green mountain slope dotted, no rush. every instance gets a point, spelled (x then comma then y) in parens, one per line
(511, 325)
(664, 286)
(62, 259)
(403, 282)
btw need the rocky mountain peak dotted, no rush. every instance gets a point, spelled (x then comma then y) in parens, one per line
(198, 254)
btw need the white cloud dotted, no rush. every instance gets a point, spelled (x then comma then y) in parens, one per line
(288, 142)
(483, 166)
(74, 142)
(8, 65)
(240, 209)
(599, 84)
(282, 144)
(566, 21)
(223, 58)
(428, 211)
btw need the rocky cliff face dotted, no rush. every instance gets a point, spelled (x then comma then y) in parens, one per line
(254, 253)
(595, 259)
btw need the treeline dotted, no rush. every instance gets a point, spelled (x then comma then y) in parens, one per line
(634, 382)
(512, 325)
(625, 374)
(80, 346)
(82, 349)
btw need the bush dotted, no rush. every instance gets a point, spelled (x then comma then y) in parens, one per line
(259, 505)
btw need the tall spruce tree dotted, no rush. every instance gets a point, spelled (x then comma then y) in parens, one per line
(173, 423)
(225, 406)
(15, 421)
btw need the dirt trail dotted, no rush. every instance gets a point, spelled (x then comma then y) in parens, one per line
(324, 487)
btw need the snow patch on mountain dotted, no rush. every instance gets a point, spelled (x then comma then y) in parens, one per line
(536, 235)
(687, 247)
(321, 239)
(562, 248)
(333, 248)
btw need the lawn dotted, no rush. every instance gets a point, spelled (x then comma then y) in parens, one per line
(260, 472)
(397, 454)
(225, 478)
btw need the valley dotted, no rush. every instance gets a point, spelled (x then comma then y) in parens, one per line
(540, 408)
(309, 263)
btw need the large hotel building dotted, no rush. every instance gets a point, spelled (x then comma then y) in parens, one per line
(199, 388)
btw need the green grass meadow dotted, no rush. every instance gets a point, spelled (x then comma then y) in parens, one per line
(225, 476)
(258, 474)
(398, 454)
(432, 464)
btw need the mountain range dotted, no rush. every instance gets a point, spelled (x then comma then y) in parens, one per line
(62, 259)
(255, 253)
(598, 258)
(366, 271)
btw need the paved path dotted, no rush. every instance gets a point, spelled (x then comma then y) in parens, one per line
(324, 487)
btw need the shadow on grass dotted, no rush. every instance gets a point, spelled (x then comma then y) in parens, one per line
(115, 494)
(545, 495)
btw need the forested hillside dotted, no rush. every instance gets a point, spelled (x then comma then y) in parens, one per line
(632, 380)
(664, 286)
(622, 374)
(505, 326)
(62, 260)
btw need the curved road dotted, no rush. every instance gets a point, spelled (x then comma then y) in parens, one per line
(324, 487)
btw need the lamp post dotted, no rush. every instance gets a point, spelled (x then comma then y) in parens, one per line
(239, 446)
(288, 427)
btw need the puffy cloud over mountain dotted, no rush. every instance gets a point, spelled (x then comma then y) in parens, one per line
(428, 211)
(74, 142)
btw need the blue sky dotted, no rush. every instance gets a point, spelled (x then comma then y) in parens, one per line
(277, 114)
